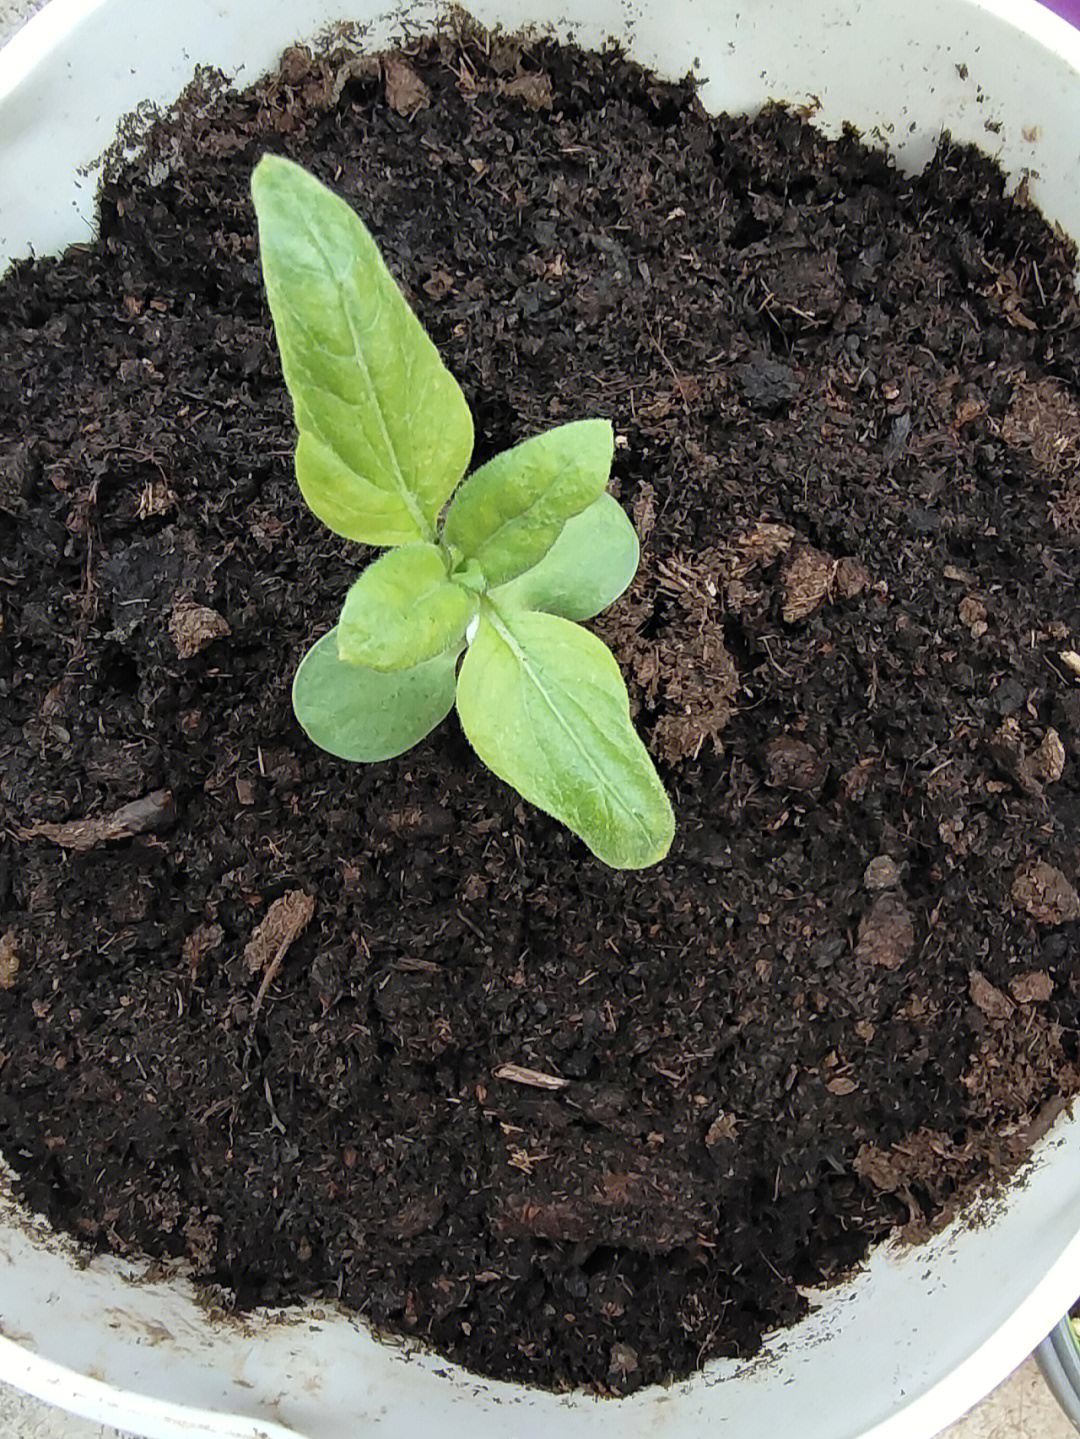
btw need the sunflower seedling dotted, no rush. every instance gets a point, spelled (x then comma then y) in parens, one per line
(477, 606)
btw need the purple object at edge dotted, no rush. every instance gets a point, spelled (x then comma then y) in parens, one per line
(1069, 9)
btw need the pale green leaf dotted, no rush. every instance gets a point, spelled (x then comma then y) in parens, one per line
(543, 704)
(345, 503)
(403, 610)
(362, 715)
(588, 566)
(510, 512)
(385, 432)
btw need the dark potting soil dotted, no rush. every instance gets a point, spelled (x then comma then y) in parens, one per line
(849, 427)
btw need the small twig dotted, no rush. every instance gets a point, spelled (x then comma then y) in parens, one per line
(274, 1120)
(676, 377)
(267, 980)
(536, 1078)
(285, 921)
(153, 811)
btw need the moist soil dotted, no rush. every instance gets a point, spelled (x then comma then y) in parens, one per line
(388, 1035)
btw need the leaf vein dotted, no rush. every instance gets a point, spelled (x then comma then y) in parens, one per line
(603, 782)
(376, 400)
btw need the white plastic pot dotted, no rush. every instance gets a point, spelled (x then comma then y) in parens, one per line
(919, 1335)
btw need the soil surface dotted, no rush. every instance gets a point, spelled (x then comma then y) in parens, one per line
(570, 1126)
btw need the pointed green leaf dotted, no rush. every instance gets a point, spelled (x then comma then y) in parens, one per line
(385, 432)
(543, 704)
(510, 512)
(588, 566)
(362, 715)
(403, 610)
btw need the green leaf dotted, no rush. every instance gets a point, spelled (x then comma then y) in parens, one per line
(403, 610)
(385, 432)
(362, 715)
(543, 704)
(588, 566)
(509, 513)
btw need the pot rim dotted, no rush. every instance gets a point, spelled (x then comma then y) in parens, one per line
(919, 1411)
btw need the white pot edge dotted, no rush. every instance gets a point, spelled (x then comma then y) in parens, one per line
(936, 1405)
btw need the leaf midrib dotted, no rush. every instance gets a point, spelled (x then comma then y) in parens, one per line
(517, 519)
(406, 494)
(504, 633)
(398, 625)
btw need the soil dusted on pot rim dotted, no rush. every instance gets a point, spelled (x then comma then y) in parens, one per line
(568, 1125)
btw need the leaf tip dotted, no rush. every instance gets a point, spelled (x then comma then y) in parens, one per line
(267, 167)
(608, 430)
(644, 856)
(275, 176)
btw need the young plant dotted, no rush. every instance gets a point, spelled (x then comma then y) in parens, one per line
(529, 544)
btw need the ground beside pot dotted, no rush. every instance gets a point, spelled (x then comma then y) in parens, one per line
(849, 410)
